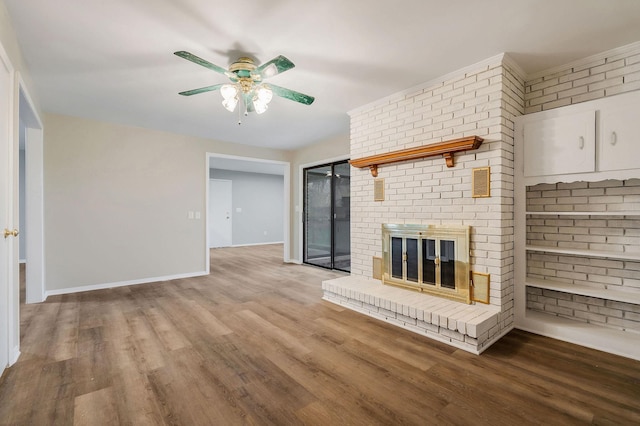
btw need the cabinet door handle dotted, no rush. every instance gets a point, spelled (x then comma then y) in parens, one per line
(614, 138)
(581, 142)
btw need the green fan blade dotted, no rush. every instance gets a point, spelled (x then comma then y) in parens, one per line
(291, 94)
(274, 67)
(201, 90)
(193, 58)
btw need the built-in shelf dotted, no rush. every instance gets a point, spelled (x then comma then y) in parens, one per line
(617, 295)
(588, 253)
(583, 213)
(446, 149)
(590, 335)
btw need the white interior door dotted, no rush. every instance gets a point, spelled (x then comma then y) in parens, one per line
(220, 214)
(6, 206)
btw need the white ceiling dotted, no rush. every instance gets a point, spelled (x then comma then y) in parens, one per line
(113, 60)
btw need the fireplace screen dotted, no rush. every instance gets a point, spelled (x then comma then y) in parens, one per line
(428, 258)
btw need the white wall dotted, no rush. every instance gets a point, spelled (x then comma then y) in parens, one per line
(117, 201)
(260, 197)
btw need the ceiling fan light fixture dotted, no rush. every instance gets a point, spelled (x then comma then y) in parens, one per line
(264, 94)
(229, 91)
(259, 106)
(230, 104)
(247, 87)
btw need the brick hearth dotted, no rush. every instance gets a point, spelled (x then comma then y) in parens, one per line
(470, 327)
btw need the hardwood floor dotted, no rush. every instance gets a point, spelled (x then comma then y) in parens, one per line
(253, 343)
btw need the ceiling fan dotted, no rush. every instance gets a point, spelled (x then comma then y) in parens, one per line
(247, 86)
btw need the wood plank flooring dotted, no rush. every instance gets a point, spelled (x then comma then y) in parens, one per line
(252, 343)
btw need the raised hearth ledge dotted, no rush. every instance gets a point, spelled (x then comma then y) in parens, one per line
(472, 328)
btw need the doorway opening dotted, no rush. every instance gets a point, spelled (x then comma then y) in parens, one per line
(327, 216)
(241, 170)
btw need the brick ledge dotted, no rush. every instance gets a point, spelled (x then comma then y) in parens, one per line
(464, 326)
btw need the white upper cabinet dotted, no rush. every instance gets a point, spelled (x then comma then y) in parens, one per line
(560, 145)
(589, 141)
(619, 147)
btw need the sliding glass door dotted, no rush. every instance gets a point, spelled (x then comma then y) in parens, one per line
(317, 216)
(342, 216)
(327, 216)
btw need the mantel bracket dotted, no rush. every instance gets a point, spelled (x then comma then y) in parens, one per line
(446, 149)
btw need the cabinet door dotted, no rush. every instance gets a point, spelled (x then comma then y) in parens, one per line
(560, 145)
(619, 145)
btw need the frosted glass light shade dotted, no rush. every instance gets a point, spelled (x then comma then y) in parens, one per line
(229, 91)
(259, 106)
(264, 94)
(230, 104)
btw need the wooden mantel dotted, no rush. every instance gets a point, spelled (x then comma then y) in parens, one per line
(446, 149)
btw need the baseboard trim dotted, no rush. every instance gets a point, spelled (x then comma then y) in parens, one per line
(15, 354)
(80, 289)
(257, 244)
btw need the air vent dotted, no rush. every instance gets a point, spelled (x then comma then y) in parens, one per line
(481, 182)
(378, 190)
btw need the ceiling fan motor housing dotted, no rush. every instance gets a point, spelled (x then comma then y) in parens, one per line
(244, 68)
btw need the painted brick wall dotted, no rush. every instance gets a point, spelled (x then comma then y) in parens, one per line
(481, 102)
(610, 233)
(593, 310)
(597, 77)
(607, 74)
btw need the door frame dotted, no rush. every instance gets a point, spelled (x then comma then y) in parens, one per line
(8, 295)
(286, 255)
(34, 196)
(300, 211)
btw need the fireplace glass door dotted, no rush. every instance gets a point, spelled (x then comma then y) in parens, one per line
(428, 258)
(327, 216)
(447, 264)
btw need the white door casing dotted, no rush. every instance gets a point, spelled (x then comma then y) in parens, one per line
(6, 206)
(34, 193)
(220, 213)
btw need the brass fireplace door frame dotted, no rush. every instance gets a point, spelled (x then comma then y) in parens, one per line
(458, 234)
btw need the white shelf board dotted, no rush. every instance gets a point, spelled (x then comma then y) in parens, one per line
(605, 339)
(617, 295)
(583, 213)
(588, 253)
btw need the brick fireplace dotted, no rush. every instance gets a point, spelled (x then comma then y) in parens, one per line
(480, 100)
